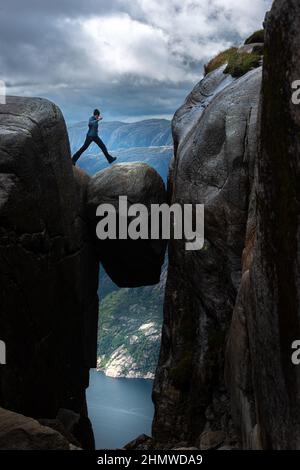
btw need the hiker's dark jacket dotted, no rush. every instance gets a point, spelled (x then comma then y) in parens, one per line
(93, 127)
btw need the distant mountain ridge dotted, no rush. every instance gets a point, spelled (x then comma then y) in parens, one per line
(121, 135)
(149, 141)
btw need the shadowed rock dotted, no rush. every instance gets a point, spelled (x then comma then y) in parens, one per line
(17, 432)
(48, 275)
(129, 263)
(238, 367)
(267, 316)
(214, 165)
(252, 206)
(275, 321)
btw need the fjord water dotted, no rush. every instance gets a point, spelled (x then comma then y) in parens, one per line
(119, 409)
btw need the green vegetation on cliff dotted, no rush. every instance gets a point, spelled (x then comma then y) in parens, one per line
(238, 62)
(242, 62)
(129, 329)
(256, 37)
(221, 59)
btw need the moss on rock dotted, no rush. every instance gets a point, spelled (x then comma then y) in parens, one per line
(238, 62)
(257, 36)
(242, 62)
(220, 59)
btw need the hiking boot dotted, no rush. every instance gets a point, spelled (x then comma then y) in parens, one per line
(112, 159)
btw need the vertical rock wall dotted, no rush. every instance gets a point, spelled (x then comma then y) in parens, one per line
(275, 320)
(46, 261)
(240, 295)
(214, 166)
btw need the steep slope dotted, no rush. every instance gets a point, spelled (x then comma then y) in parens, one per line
(130, 329)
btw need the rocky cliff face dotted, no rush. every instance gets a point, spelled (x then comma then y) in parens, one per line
(213, 166)
(49, 262)
(233, 307)
(225, 375)
(46, 302)
(267, 316)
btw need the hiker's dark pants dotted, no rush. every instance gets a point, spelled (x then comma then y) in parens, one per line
(87, 143)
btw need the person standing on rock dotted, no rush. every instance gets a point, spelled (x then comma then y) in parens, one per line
(92, 136)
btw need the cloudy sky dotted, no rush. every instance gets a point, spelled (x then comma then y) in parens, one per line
(134, 59)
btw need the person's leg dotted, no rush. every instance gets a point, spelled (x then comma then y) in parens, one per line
(102, 146)
(82, 149)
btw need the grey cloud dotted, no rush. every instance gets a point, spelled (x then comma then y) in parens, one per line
(123, 101)
(70, 8)
(40, 55)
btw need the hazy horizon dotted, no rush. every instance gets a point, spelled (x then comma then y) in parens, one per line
(132, 121)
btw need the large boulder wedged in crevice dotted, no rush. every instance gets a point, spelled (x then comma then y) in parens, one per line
(129, 263)
(45, 253)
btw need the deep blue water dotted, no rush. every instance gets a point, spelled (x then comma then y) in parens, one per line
(120, 409)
